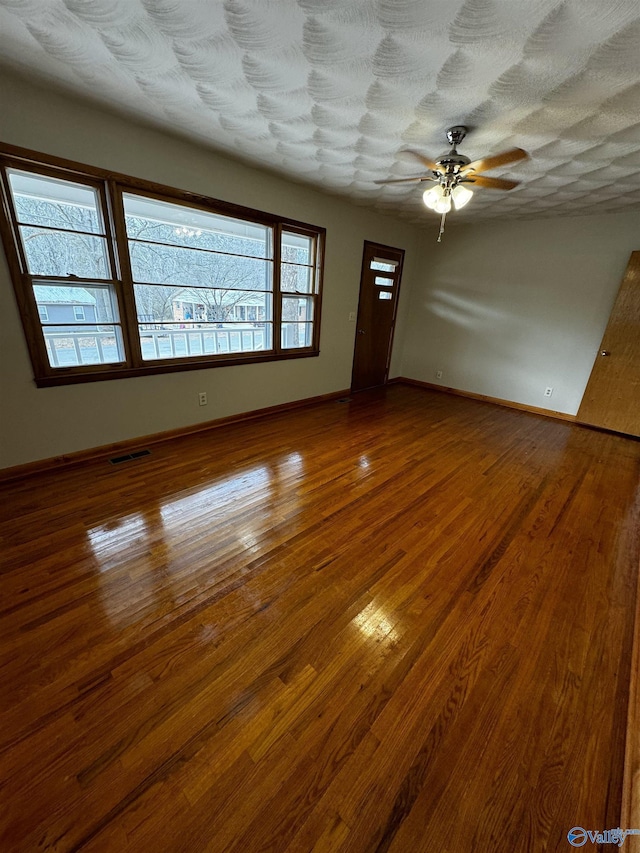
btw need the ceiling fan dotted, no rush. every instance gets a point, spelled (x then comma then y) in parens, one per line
(454, 174)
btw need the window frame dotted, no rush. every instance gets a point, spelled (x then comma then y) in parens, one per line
(110, 188)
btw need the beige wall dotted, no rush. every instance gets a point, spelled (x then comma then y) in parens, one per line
(508, 308)
(39, 423)
(503, 309)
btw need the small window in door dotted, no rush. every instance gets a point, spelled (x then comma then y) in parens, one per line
(383, 281)
(383, 266)
(385, 294)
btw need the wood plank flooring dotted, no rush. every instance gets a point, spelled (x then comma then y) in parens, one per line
(400, 623)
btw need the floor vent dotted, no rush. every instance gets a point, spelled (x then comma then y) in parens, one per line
(135, 455)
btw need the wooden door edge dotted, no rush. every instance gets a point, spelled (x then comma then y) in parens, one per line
(630, 810)
(631, 270)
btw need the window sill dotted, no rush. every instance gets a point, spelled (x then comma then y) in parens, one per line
(67, 377)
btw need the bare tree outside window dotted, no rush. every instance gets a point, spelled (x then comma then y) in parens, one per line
(56, 253)
(192, 270)
(224, 278)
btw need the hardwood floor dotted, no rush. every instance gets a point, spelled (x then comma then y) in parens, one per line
(401, 623)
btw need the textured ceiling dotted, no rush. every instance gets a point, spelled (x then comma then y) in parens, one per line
(329, 92)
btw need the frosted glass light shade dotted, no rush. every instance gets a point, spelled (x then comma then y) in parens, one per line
(461, 195)
(431, 196)
(443, 205)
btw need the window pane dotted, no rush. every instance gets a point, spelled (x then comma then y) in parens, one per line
(296, 249)
(163, 222)
(296, 279)
(57, 204)
(169, 341)
(63, 253)
(383, 266)
(156, 303)
(300, 309)
(151, 263)
(69, 346)
(384, 294)
(61, 304)
(383, 281)
(295, 335)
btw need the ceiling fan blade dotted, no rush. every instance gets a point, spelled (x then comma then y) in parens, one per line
(490, 183)
(488, 163)
(428, 164)
(406, 180)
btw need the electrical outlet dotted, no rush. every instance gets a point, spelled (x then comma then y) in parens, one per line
(438, 374)
(548, 392)
(202, 398)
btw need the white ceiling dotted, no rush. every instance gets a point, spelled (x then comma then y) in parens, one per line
(330, 92)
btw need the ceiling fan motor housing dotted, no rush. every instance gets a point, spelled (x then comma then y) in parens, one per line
(451, 161)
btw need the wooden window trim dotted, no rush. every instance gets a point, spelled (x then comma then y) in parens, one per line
(317, 267)
(110, 187)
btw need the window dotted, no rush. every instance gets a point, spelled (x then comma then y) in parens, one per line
(298, 263)
(192, 270)
(117, 277)
(63, 245)
(383, 265)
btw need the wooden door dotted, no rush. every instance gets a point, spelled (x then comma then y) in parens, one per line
(379, 285)
(612, 397)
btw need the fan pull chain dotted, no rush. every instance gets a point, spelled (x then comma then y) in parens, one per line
(442, 221)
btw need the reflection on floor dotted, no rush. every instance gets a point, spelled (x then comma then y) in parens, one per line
(402, 623)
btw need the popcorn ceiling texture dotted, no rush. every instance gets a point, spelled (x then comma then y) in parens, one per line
(329, 92)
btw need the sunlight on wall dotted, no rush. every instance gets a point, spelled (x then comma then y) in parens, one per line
(463, 311)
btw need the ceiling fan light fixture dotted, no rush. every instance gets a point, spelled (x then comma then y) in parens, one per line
(461, 196)
(451, 170)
